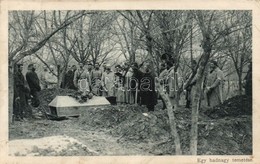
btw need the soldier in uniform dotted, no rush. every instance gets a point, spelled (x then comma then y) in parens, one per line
(43, 78)
(19, 104)
(128, 74)
(96, 75)
(214, 85)
(107, 82)
(119, 88)
(69, 76)
(82, 74)
(34, 84)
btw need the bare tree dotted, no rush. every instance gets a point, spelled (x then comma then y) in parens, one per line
(23, 23)
(213, 41)
(240, 45)
(92, 37)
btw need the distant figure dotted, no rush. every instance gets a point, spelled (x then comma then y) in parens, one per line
(147, 89)
(34, 84)
(107, 82)
(51, 78)
(19, 102)
(69, 76)
(136, 83)
(104, 68)
(214, 84)
(119, 88)
(96, 75)
(43, 78)
(248, 81)
(128, 74)
(90, 67)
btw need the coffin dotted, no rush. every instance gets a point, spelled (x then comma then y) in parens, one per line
(63, 106)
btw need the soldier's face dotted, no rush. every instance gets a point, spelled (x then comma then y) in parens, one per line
(33, 68)
(212, 66)
(81, 65)
(21, 68)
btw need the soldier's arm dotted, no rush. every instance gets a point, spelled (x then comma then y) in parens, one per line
(75, 79)
(220, 77)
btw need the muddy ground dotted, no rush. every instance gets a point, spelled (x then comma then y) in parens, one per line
(126, 130)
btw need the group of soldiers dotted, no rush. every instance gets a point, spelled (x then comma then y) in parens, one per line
(120, 83)
(25, 89)
(130, 84)
(127, 84)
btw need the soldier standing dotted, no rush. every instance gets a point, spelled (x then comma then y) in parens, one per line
(34, 84)
(19, 104)
(96, 75)
(82, 75)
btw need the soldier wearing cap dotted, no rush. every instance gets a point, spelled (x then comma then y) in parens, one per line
(119, 86)
(69, 76)
(82, 75)
(90, 67)
(96, 75)
(128, 80)
(19, 104)
(107, 82)
(214, 84)
(34, 84)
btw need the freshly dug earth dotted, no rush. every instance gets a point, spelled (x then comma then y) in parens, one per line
(131, 130)
(129, 122)
(235, 106)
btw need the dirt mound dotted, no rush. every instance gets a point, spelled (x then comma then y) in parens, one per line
(129, 122)
(226, 137)
(235, 106)
(218, 137)
(107, 117)
(227, 131)
(151, 126)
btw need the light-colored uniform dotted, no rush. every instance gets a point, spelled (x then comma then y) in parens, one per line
(51, 80)
(96, 81)
(43, 80)
(108, 82)
(82, 80)
(215, 78)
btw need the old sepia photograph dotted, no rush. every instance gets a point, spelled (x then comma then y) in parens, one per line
(129, 82)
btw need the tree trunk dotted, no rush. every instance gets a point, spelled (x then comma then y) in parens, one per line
(196, 101)
(172, 120)
(11, 71)
(240, 83)
(195, 112)
(191, 35)
(176, 88)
